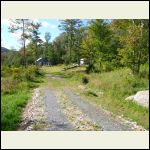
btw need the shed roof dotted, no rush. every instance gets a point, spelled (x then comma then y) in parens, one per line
(39, 59)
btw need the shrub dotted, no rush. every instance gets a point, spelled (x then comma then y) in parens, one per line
(5, 71)
(144, 71)
(38, 71)
(85, 80)
(107, 66)
(31, 72)
(9, 86)
(16, 73)
(92, 68)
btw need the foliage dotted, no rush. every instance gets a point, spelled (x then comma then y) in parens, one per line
(21, 25)
(85, 80)
(74, 36)
(144, 71)
(9, 85)
(105, 45)
(35, 38)
(134, 40)
(15, 92)
(98, 46)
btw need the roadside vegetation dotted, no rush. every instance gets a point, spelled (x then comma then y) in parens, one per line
(16, 90)
(107, 90)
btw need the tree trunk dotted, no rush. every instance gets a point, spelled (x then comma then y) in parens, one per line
(139, 58)
(24, 46)
(36, 52)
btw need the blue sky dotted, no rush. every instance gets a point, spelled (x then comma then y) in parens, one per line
(10, 40)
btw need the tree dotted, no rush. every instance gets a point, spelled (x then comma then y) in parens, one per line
(47, 37)
(71, 28)
(31, 53)
(46, 49)
(97, 44)
(35, 38)
(60, 48)
(133, 37)
(22, 25)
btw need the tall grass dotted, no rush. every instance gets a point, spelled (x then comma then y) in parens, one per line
(12, 108)
(16, 90)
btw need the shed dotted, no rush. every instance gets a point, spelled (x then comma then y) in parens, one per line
(41, 61)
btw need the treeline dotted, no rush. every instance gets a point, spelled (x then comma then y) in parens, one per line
(103, 44)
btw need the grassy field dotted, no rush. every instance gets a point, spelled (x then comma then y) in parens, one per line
(107, 90)
(15, 94)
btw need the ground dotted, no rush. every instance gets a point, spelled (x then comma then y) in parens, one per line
(59, 105)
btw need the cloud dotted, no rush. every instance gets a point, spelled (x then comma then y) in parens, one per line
(5, 22)
(42, 38)
(35, 20)
(9, 22)
(48, 25)
(16, 35)
(6, 44)
(52, 26)
(45, 24)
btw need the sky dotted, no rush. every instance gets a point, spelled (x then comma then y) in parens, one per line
(11, 40)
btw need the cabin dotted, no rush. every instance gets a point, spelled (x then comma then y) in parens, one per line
(42, 62)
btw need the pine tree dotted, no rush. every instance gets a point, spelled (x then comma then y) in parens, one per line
(22, 25)
(34, 36)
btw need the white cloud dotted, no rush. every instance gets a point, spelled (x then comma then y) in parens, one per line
(6, 44)
(16, 35)
(46, 24)
(52, 26)
(8, 22)
(5, 22)
(35, 20)
(42, 38)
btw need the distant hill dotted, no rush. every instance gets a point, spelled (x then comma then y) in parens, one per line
(3, 49)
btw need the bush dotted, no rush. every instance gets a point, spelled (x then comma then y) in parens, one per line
(9, 86)
(16, 73)
(144, 71)
(27, 73)
(107, 66)
(93, 68)
(85, 80)
(135, 83)
(5, 71)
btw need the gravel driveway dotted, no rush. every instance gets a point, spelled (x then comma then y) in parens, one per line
(46, 113)
(56, 119)
(105, 120)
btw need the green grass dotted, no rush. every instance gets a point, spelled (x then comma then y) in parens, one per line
(11, 109)
(115, 85)
(15, 94)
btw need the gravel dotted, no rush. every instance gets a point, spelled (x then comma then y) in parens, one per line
(44, 112)
(34, 117)
(55, 116)
(99, 116)
(78, 119)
